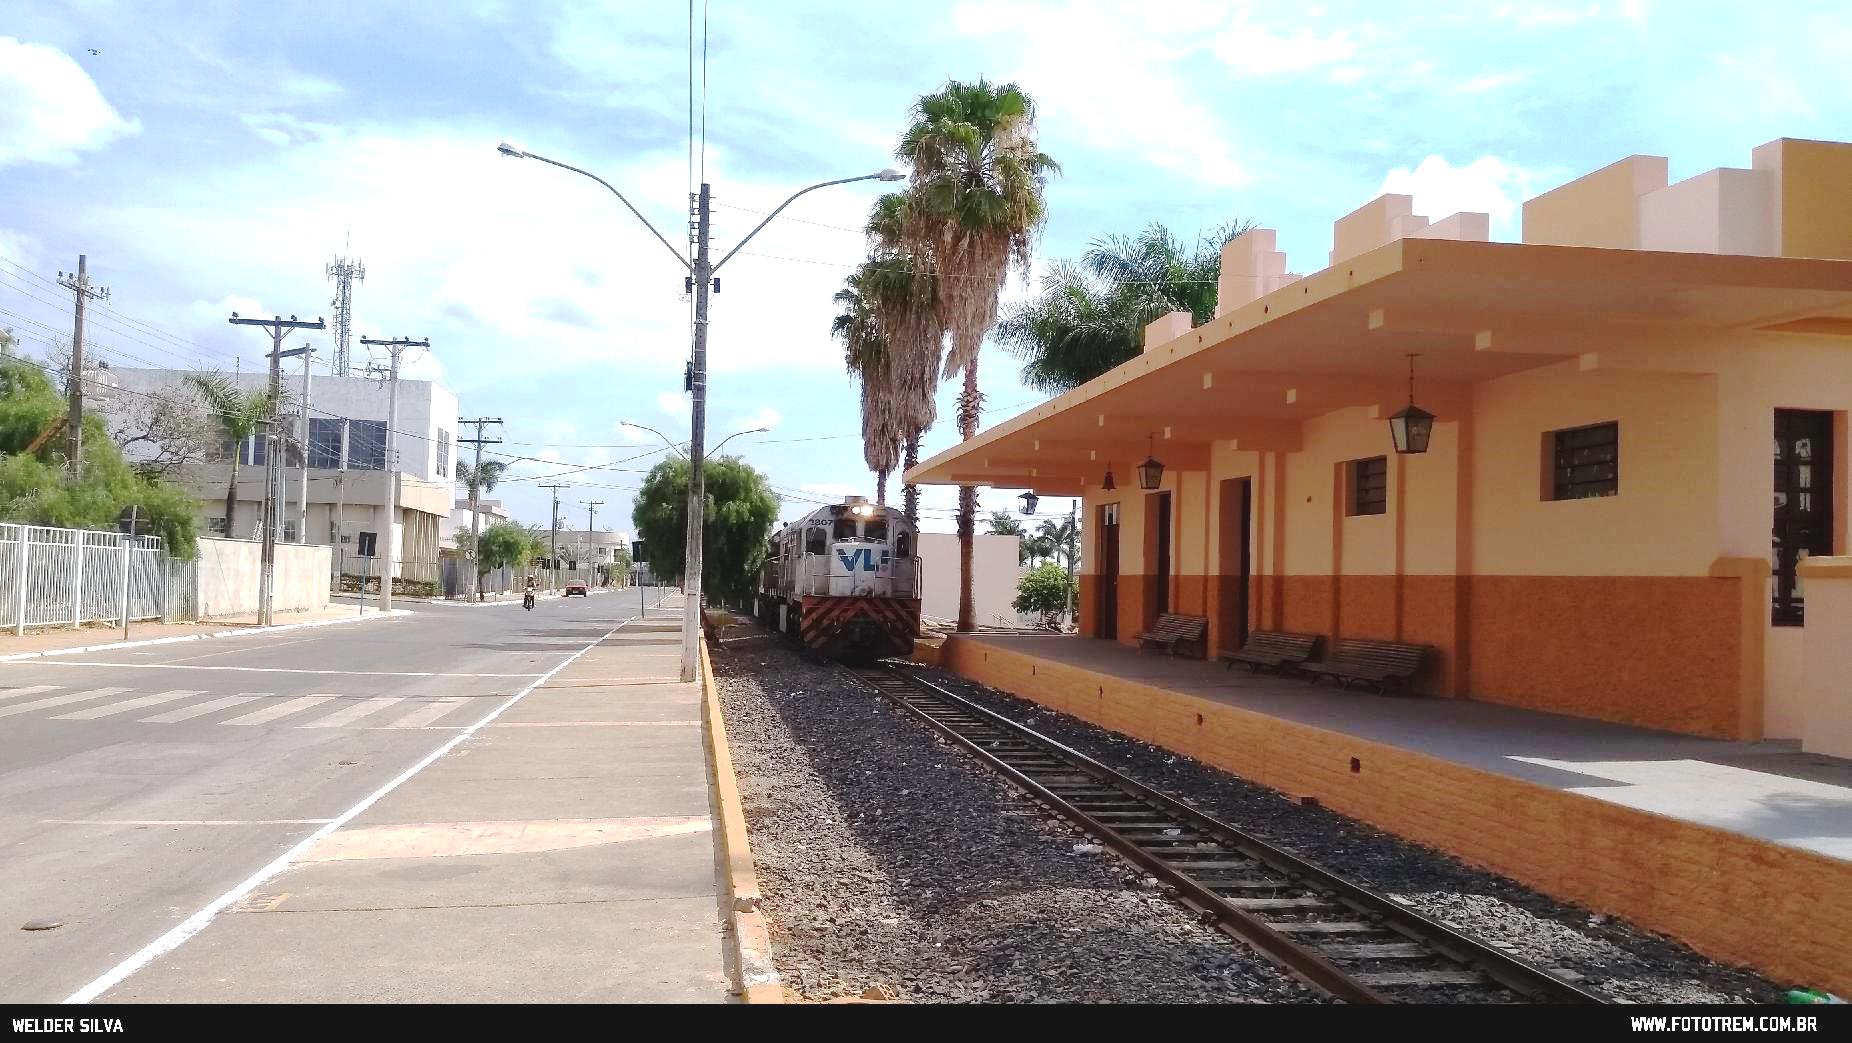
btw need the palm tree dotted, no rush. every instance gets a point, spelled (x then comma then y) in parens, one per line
(478, 479)
(902, 295)
(1091, 316)
(240, 413)
(866, 356)
(1003, 523)
(973, 207)
(1061, 536)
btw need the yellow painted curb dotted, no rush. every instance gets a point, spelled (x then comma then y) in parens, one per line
(755, 976)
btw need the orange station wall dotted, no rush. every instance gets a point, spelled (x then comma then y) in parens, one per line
(1606, 608)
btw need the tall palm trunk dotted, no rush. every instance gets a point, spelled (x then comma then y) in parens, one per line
(881, 488)
(968, 404)
(910, 493)
(231, 495)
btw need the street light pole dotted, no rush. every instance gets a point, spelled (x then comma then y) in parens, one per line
(701, 278)
(278, 328)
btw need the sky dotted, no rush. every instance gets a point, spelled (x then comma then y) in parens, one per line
(215, 157)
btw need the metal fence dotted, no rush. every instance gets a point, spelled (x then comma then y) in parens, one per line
(66, 577)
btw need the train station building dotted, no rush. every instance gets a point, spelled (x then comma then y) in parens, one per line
(1627, 404)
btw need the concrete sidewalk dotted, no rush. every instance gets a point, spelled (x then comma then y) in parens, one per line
(52, 639)
(564, 852)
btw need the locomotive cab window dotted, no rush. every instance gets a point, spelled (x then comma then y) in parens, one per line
(816, 540)
(875, 529)
(903, 544)
(845, 529)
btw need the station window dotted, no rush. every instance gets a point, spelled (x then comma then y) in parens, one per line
(1585, 461)
(1369, 486)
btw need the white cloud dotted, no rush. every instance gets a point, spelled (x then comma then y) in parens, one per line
(1488, 82)
(50, 109)
(1067, 49)
(1533, 16)
(1486, 185)
(1258, 51)
(674, 403)
(766, 417)
(832, 491)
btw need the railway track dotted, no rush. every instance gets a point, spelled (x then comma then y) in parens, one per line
(1353, 943)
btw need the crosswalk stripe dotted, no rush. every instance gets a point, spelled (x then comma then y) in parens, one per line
(111, 709)
(282, 709)
(429, 712)
(201, 709)
(61, 700)
(15, 693)
(363, 708)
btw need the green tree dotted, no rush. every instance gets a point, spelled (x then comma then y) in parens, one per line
(38, 488)
(239, 413)
(478, 479)
(1003, 523)
(507, 545)
(974, 204)
(902, 295)
(1090, 317)
(1047, 590)
(1063, 538)
(737, 522)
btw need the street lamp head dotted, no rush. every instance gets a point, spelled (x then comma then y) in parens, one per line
(890, 174)
(507, 149)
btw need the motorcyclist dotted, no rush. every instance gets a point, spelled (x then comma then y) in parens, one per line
(527, 601)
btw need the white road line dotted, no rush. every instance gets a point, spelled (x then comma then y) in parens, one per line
(273, 670)
(354, 712)
(111, 709)
(429, 712)
(192, 925)
(61, 700)
(201, 709)
(282, 709)
(16, 693)
(184, 821)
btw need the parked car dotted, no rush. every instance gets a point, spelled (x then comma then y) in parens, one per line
(576, 588)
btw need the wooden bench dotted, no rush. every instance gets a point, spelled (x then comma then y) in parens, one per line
(1272, 650)
(1172, 631)
(1384, 664)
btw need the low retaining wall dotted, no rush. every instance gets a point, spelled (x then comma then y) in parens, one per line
(1783, 911)
(227, 575)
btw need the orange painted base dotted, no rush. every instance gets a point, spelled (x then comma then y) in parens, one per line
(1734, 898)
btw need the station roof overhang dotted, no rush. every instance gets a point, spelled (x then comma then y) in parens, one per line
(1340, 338)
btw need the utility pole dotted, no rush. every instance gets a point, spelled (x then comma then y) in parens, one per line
(395, 347)
(78, 283)
(475, 495)
(702, 276)
(345, 272)
(278, 328)
(591, 511)
(308, 355)
(553, 543)
(339, 525)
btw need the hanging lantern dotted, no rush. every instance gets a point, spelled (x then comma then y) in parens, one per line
(1108, 484)
(1151, 472)
(1029, 500)
(1411, 427)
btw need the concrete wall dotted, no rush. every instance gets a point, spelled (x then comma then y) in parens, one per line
(228, 577)
(994, 564)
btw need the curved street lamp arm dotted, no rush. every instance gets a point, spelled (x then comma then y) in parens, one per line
(781, 206)
(683, 261)
(731, 437)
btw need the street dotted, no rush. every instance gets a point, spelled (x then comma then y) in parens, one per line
(138, 786)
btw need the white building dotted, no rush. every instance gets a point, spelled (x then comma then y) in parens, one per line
(346, 473)
(578, 549)
(458, 520)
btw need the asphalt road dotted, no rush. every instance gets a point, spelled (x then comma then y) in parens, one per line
(138, 785)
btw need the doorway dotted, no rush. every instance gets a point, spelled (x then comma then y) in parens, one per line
(1108, 607)
(1803, 505)
(1162, 578)
(1235, 580)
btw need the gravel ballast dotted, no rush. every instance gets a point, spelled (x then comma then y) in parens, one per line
(891, 864)
(1613, 958)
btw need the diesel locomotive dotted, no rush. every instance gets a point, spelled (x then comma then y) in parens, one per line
(844, 581)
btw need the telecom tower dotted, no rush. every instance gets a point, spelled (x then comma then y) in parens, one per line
(344, 272)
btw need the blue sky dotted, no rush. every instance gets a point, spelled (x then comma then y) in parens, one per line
(213, 157)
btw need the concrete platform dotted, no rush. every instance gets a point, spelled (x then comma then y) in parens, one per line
(564, 853)
(1743, 850)
(1768, 790)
